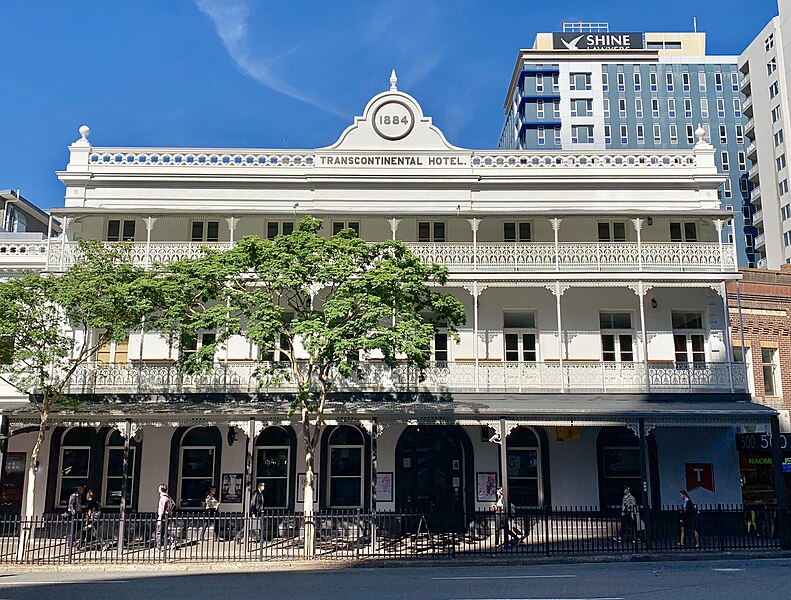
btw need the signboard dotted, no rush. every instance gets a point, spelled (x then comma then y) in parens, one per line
(699, 475)
(597, 41)
(232, 488)
(761, 442)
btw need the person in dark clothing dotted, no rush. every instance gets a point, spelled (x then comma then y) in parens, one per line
(689, 519)
(74, 510)
(92, 530)
(257, 503)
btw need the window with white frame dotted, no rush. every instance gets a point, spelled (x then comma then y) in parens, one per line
(581, 107)
(735, 82)
(723, 134)
(638, 108)
(689, 337)
(621, 82)
(769, 42)
(737, 108)
(720, 108)
(690, 134)
(725, 161)
(197, 465)
(74, 462)
(640, 134)
(687, 108)
(120, 231)
(205, 231)
(704, 108)
(558, 137)
(780, 161)
(611, 231)
(520, 336)
(702, 81)
(785, 212)
(605, 82)
(638, 82)
(739, 134)
(778, 137)
(622, 107)
(742, 159)
(624, 135)
(431, 231)
(777, 112)
(338, 226)
(652, 81)
(771, 371)
(673, 134)
(617, 336)
(114, 471)
(580, 81)
(606, 108)
(346, 447)
(657, 134)
(782, 187)
(190, 344)
(556, 82)
(539, 82)
(276, 228)
(539, 109)
(718, 82)
(556, 109)
(517, 231)
(671, 108)
(727, 192)
(582, 134)
(669, 81)
(541, 136)
(787, 238)
(685, 81)
(774, 89)
(272, 464)
(683, 231)
(771, 66)
(607, 134)
(655, 108)
(523, 454)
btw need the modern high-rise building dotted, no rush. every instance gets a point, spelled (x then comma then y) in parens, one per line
(766, 65)
(589, 88)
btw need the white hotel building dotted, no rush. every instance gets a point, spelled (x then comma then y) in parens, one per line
(592, 339)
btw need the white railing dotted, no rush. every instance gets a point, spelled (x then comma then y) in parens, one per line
(25, 249)
(250, 377)
(181, 158)
(485, 256)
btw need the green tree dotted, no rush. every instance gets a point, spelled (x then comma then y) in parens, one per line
(319, 303)
(102, 296)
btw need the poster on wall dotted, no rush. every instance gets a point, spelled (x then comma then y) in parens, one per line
(231, 488)
(487, 487)
(301, 487)
(384, 487)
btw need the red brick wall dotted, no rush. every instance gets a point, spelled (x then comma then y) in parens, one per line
(763, 290)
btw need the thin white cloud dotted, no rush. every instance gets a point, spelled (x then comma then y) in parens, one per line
(231, 18)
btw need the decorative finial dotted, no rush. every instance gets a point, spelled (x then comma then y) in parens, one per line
(393, 81)
(85, 131)
(700, 133)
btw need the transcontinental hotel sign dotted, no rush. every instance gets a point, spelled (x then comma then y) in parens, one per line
(392, 161)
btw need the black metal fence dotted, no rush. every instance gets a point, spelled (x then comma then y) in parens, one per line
(196, 537)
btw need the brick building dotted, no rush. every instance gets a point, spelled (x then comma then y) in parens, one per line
(761, 334)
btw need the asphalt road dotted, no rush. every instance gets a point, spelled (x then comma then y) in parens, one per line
(689, 580)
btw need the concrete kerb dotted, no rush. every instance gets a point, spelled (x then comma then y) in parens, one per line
(333, 565)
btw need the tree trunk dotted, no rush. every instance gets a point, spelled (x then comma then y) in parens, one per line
(310, 528)
(28, 509)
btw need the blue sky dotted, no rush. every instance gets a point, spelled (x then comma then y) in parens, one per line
(258, 73)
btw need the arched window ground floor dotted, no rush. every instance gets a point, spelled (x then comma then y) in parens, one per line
(406, 468)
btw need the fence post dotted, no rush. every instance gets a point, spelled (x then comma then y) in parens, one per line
(261, 537)
(166, 536)
(547, 511)
(71, 538)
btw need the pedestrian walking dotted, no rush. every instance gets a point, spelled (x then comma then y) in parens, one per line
(628, 529)
(689, 519)
(92, 531)
(74, 512)
(257, 503)
(165, 507)
(212, 511)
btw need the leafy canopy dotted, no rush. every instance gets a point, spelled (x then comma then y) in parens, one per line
(330, 298)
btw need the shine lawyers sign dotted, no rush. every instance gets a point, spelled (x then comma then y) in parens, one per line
(597, 41)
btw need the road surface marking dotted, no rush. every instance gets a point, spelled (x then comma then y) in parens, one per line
(505, 577)
(62, 582)
(731, 570)
(609, 598)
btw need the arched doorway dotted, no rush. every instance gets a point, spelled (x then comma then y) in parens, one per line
(430, 474)
(618, 455)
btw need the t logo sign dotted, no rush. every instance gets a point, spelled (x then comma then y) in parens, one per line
(700, 475)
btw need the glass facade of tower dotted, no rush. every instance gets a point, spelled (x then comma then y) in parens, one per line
(649, 105)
